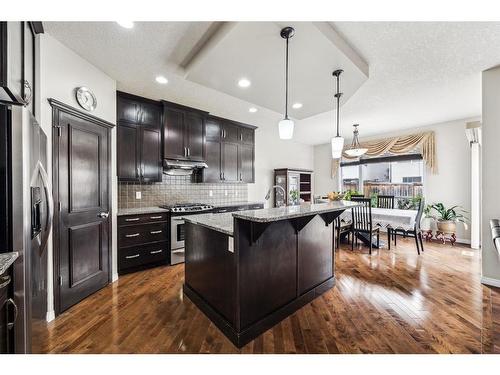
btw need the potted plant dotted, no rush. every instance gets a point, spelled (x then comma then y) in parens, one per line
(294, 197)
(448, 218)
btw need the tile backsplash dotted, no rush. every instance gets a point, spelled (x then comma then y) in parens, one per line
(179, 189)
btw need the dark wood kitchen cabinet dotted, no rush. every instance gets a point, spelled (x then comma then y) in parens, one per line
(17, 62)
(229, 151)
(183, 132)
(7, 316)
(246, 163)
(139, 139)
(143, 241)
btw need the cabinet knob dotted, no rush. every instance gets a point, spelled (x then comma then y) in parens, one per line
(103, 215)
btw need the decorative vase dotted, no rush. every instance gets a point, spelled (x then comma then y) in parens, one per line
(447, 226)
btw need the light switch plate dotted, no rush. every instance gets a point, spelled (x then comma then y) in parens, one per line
(210, 193)
(138, 195)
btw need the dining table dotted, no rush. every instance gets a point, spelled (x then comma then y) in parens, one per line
(384, 218)
(387, 218)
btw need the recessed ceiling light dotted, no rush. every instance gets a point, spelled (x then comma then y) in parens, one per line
(297, 105)
(244, 82)
(162, 80)
(125, 24)
(252, 109)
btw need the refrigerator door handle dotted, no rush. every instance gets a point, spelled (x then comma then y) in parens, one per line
(50, 205)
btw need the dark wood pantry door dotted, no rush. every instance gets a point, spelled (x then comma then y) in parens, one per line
(81, 188)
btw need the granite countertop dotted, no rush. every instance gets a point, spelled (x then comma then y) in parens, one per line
(289, 212)
(6, 260)
(138, 211)
(222, 222)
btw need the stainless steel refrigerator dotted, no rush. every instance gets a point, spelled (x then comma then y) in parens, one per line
(29, 212)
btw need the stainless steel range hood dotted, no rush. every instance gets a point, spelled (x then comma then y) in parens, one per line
(181, 167)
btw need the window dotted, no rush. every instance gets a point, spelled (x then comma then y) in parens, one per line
(401, 176)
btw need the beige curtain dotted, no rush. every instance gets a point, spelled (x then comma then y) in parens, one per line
(423, 142)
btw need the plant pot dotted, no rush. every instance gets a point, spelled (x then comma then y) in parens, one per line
(447, 226)
(426, 224)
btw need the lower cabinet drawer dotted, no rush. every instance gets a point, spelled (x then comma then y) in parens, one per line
(136, 256)
(139, 234)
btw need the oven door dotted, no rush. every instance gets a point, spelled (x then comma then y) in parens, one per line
(176, 240)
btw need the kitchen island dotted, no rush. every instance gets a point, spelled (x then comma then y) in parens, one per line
(249, 270)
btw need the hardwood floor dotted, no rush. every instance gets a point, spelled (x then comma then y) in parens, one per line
(390, 302)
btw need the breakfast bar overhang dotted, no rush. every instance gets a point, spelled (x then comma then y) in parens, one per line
(249, 270)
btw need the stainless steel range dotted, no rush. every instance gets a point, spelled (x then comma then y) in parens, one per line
(177, 226)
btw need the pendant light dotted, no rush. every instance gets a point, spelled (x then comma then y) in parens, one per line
(355, 150)
(285, 126)
(337, 141)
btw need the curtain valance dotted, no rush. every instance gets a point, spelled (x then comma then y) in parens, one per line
(423, 142)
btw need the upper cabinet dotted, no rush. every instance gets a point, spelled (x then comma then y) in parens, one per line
(183, 132)
(150, 131)
(229, 151)
(139, 139)
(17, 62)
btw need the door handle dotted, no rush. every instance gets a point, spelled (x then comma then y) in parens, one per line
(27, 96)
(134, 219)
(189, 152)
(132, 235)
(156, 217)
(132, 256)
(103, 215)
(11, 302)
(40, 170)
(156, 251)
(156, 231)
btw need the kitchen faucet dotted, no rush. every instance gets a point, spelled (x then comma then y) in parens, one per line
(268, 195)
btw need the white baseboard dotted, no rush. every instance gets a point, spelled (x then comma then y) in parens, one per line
(51, 315)
(489, 281)
(114, 277)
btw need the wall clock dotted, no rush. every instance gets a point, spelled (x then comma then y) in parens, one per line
(86, 98)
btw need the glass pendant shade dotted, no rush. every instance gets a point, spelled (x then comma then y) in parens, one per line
(355, 152)
(337, 147)
(286, 128)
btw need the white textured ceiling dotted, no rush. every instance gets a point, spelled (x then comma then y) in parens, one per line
(420, 73)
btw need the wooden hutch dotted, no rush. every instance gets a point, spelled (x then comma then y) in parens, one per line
(293, 180)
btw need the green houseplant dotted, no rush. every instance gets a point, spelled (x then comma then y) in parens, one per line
(447, 218)
(348, 193)
(294, 196)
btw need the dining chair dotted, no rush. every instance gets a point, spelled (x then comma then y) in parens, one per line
(385, 201)
(341, 227)
(357, 196)
(413, 231)
(362, 222)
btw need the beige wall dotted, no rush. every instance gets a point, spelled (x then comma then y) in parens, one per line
(490, 173)
(60, 72)
(451, 185)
